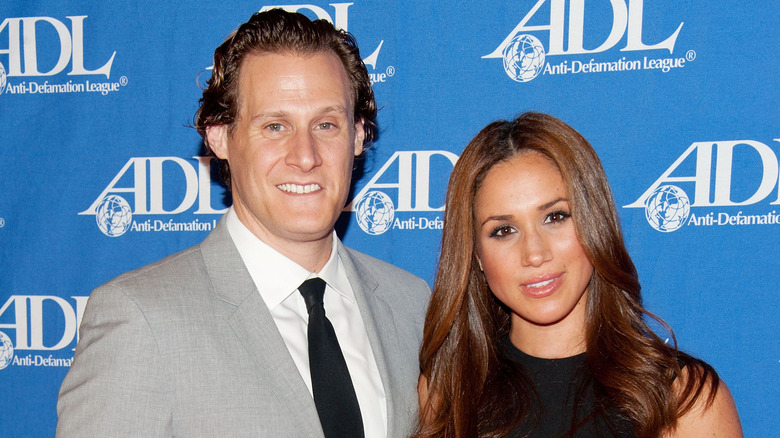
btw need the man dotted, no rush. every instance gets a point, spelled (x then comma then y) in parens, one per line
(215, 340)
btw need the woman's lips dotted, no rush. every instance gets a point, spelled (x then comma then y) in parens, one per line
(542, 286)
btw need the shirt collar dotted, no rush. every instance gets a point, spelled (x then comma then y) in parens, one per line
(276, 276)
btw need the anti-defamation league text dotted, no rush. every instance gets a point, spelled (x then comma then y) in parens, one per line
(720, 219)
(38, 360)
(170, 225)
(577, 67)
(31, 87)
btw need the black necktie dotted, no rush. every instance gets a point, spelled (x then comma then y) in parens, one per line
(334, 395)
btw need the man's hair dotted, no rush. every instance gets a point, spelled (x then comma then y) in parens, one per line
(278, 31)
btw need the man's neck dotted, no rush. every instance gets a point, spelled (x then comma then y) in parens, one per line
(311, 252)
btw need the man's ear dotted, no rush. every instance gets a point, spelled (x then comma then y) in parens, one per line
(217, 138)
(360, 136)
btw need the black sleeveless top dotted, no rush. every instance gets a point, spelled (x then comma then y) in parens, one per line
(564, 391)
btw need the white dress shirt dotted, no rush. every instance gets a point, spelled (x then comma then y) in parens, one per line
(277, 278)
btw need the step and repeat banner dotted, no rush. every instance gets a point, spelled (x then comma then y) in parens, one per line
(101, 173)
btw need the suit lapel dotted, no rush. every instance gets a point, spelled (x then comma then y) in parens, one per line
(380, 328)
(255, 328)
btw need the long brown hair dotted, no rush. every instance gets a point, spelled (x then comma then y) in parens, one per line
(473, 389)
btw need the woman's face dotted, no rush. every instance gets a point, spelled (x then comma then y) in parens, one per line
(527, 245)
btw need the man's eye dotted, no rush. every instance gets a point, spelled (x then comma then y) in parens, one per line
(326, 125)
(274, 127)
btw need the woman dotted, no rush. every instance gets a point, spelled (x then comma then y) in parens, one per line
(535, 326)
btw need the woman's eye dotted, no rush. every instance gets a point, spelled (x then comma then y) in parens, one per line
(556, 217)
(501, 231)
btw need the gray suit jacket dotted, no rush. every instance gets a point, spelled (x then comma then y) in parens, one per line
(187, 347)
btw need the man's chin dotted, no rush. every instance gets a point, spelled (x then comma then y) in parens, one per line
(312, 230)
(307, 236)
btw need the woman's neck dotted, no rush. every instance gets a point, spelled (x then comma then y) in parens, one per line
(562, 339)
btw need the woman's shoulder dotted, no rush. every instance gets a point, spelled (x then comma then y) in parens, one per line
(708, 407)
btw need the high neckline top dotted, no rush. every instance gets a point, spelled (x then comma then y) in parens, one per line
(564, 388)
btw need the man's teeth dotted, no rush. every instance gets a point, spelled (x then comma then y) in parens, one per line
(541, 283)
(295, 188)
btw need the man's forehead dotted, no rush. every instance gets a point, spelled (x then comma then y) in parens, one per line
(294, 74)
(266, 61)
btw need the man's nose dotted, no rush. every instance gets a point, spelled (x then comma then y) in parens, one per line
(303, 151)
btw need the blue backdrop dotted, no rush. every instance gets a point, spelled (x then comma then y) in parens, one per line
(101, 174)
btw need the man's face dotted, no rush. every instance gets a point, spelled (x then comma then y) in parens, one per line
(292, 146)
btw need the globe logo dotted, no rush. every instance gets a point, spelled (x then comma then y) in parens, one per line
(375, 212)
(114, 216)
(3, 78)
(523, 58)
(667, 208)
(6, 350)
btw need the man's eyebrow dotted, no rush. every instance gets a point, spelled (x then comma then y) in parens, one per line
(269, 115)
(340, 109)
(334, 108)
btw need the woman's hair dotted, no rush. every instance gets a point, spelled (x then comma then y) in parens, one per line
(473, 389)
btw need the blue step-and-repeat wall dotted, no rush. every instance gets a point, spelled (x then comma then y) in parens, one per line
(680, 99)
